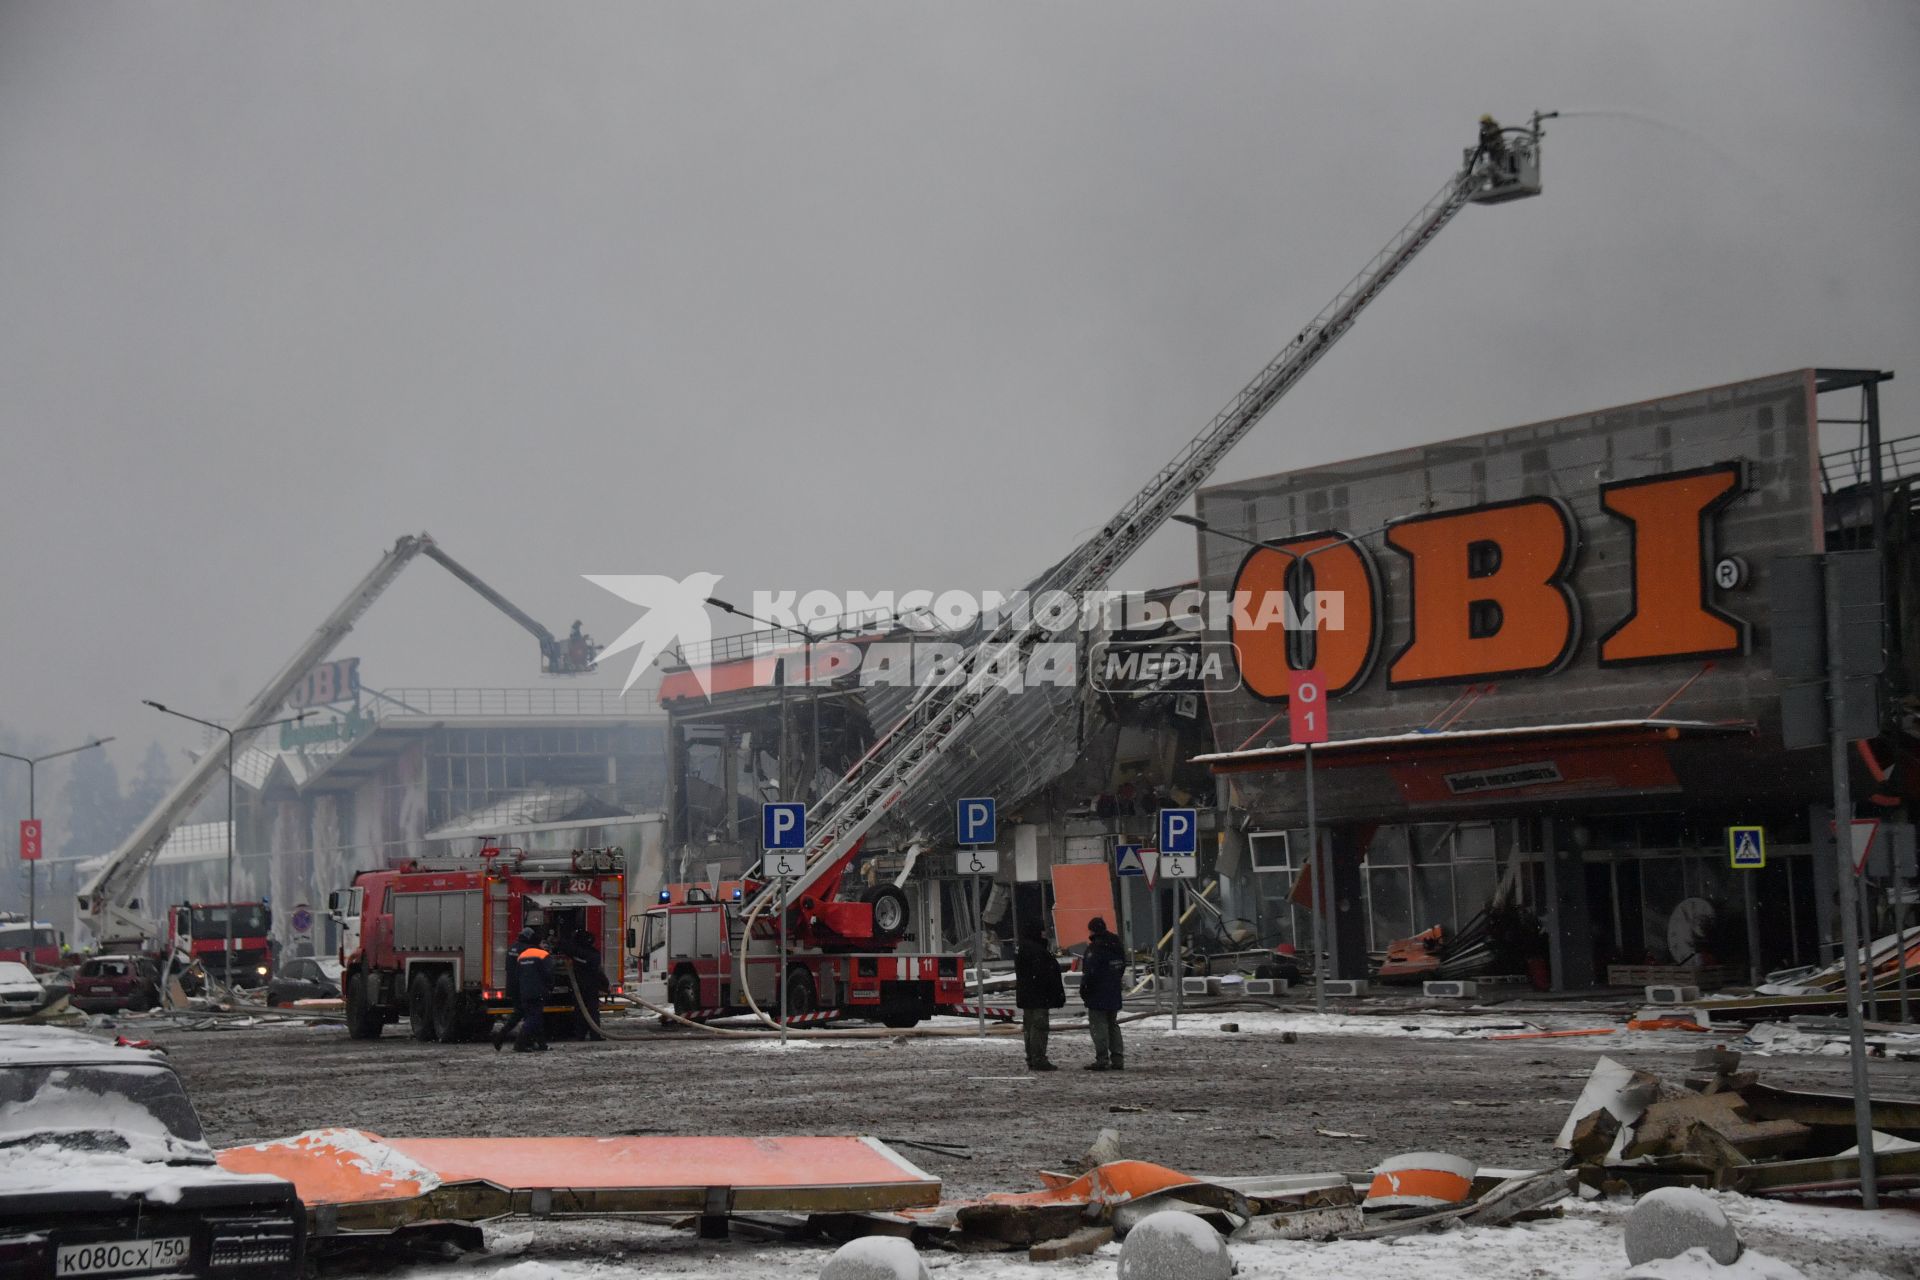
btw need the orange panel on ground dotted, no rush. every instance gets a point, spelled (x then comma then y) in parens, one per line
(350, 1166)
(1081, 891)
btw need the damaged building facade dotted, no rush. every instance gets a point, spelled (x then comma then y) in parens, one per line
(385, 776)
(1553, 691)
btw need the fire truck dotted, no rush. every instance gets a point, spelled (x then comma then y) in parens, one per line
(841, 962)
(427, 941)
(197, 934)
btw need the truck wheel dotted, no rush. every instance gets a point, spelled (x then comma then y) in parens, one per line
(445, 1010)
(802, 995)
(420, 1008)
(683, 993)
(363, 1019)
(890, 915)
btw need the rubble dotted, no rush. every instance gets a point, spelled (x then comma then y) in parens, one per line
(1725, 1129)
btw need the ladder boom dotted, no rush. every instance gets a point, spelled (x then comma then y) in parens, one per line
(843, 815)
(104, 899)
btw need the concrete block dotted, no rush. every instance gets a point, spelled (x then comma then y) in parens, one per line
(1666, 993)
(1071, 981)
(1200, 986)
(875, 1258)
(1451, 990)
(1174, 1245)
(1349, 987)
(1671, 1220)
(1266, 986)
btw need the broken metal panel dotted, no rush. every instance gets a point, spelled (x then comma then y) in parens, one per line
(351, 1180)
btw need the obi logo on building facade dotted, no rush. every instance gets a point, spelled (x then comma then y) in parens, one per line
(1491, 590)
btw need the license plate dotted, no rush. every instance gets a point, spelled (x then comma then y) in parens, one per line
(112, 1257)
(105, 989)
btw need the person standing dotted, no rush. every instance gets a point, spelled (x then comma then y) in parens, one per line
(535, 970)
(591, 979)
(507, 1028)
(1038, 991)
(1102, 977)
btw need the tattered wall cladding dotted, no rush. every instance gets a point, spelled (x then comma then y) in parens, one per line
(1572, 561)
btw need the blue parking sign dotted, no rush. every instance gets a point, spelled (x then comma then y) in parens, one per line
(976, 820)
(783, 826)
(1179, 831)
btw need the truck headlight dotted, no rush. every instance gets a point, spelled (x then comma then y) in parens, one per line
(261, 970)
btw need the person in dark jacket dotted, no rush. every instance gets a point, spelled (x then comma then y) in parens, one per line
(591, 977)
(535, 975)
(507, 1028)
(1102, 977)
(1037, 990)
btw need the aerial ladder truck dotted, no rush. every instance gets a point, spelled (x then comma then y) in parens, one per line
(1504, 166)
(107, 903)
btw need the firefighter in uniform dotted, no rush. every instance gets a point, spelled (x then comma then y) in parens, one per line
(506, 1029)
(591, 978)
(535, 972)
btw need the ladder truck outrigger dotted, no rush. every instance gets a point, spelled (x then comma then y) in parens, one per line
(107, 902)
(858, 936)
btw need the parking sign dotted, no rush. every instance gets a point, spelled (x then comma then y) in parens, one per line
(783, 826)
(978, 862)
(976, 820)
(1180, 831)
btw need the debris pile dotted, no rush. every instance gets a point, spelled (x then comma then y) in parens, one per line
(1724, 1129)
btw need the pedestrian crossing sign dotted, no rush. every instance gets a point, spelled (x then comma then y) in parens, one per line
(1747, 848)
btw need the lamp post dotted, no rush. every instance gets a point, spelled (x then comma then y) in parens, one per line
(33, 867)
(807, 640)
(1322, 882)
(226, 955)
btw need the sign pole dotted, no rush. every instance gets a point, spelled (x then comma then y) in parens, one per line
(33, 876)
(1179, 903)
(1849, 912)
(1753, 931)
(780, 887)
(979, 953)
(1320, 888)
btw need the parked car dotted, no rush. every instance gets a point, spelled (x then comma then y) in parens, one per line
(305, 979)
(20, 992)
(104, 1171)
(105, 983)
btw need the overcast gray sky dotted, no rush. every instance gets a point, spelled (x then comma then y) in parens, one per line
(830, 294)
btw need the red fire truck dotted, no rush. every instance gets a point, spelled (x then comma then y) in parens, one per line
(197, 932)
(840, 961)
(428, 941)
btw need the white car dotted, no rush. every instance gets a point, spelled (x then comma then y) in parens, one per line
(20, 992)
(104, 1171)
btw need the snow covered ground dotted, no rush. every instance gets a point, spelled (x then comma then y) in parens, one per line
(1784, 1241)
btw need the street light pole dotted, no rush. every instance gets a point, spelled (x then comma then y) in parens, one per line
(1322, 882)
(807, 640)
(226, 954)
(33, 867)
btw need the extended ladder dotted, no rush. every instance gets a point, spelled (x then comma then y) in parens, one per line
(942, 713)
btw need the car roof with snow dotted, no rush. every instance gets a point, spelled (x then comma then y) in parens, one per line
(50, 1046)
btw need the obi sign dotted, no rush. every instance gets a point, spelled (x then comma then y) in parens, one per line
(1492, 589)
